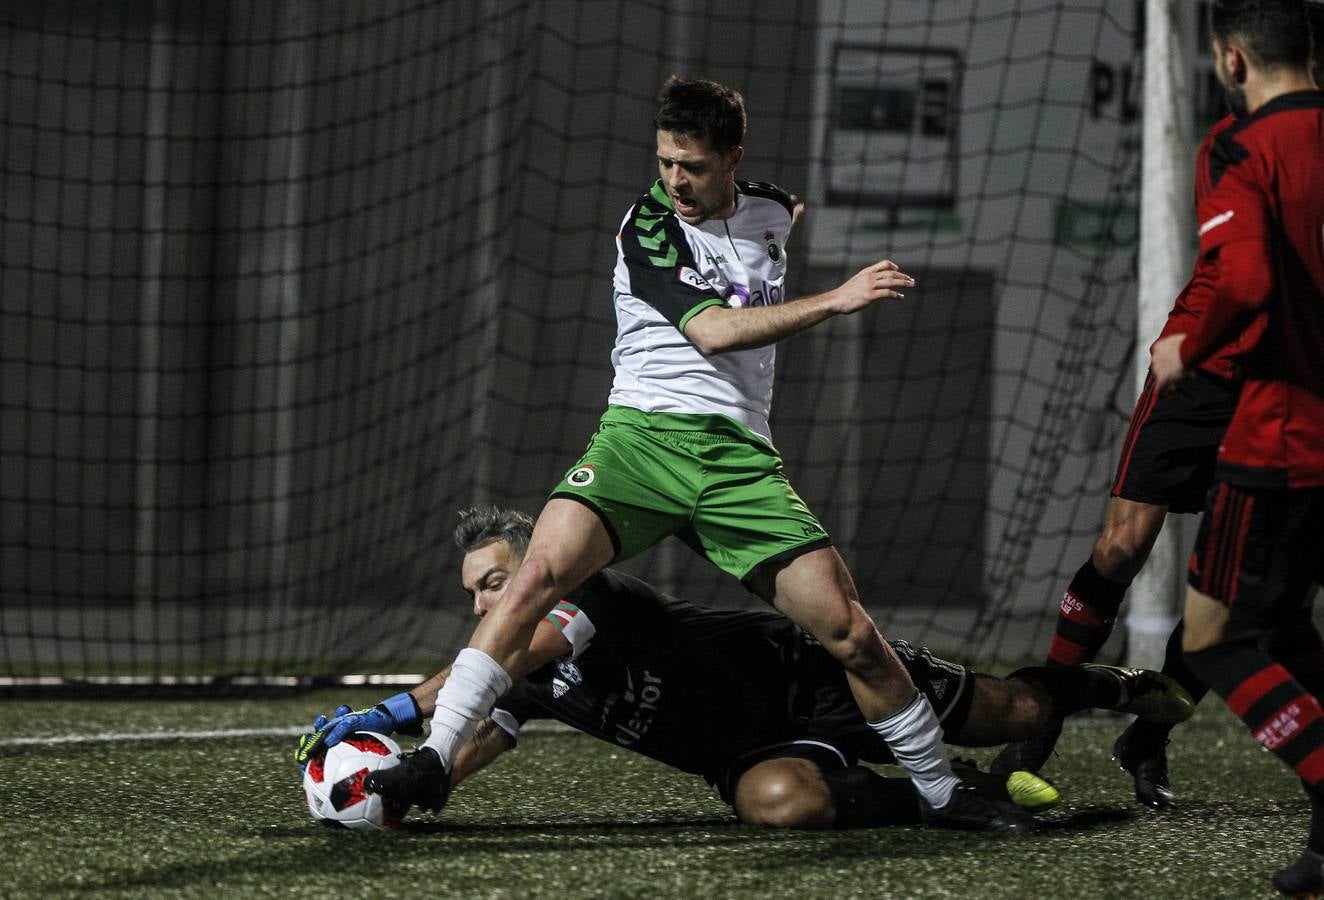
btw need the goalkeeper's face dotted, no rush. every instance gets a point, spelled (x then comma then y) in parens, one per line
(700, 181)
(485, 574)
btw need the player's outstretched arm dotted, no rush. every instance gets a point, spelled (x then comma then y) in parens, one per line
(720, 329)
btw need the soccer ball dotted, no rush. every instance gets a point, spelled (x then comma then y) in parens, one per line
(333, 782)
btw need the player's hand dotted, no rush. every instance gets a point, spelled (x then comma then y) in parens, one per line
(399, 713)
(1165, 362)
(882, 280)
(420, 780)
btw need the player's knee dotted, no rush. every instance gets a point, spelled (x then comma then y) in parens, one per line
(852, 640)
(784, 801)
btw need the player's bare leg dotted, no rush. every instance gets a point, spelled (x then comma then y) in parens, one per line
(1127, 538)
(1119, 554)
(796, 793)
(1089, 611)
(784, 793)
(816, 591)
(569, 544)
(1012, 708)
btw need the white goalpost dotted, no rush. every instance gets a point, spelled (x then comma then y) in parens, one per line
(1165, 259)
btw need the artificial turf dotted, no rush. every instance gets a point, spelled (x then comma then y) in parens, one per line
(567, 816)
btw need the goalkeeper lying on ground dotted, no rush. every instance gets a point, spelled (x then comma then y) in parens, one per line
(743, 698)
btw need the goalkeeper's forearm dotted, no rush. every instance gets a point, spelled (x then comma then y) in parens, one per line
(489, 741)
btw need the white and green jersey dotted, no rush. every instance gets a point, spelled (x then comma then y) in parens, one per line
(666, 272)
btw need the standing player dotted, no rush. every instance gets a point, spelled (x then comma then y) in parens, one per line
(743, 698)
(1260, 547)
(684, 447)
(1167, 465)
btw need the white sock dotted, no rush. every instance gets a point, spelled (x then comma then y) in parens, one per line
(472, 688)
(915, 738)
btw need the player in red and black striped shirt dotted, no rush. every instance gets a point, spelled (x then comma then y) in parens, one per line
(1260, 549)
(1166, 465)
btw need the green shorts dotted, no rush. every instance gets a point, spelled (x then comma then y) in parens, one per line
(704, 478)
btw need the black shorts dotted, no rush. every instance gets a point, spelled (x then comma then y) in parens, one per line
(1171, 445)
(1260, 552)
(831, 731)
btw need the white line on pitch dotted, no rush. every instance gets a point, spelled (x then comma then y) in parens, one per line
(217, 734)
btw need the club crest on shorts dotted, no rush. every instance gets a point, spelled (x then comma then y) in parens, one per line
(581, 477)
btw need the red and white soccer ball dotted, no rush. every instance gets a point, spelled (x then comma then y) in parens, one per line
(333, 782)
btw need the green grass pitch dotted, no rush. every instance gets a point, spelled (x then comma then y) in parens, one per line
(566, 816)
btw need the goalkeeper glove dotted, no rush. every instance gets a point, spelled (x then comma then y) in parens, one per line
(399, 713)
(420, 780)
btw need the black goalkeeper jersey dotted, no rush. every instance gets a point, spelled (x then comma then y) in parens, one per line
(697, 688)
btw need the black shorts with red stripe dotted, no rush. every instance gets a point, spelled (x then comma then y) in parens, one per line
(1260, 551)
(1171, 445)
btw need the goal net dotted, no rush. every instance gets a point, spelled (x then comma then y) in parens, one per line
(285, 285)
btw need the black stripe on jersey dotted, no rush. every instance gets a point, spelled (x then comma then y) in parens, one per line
(1228, 152)
(660, 262)
(768, 192)
(1225, 153)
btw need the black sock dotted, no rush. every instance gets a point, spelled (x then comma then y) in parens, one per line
(1072, 688)
(1297, 645)
(1086, 617)
(863, 798)
(1149, 734)
(1284, 717)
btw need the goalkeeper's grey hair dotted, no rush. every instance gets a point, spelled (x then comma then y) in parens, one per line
(480, 525)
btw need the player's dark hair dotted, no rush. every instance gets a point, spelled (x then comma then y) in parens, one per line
(480, 525)
(702, 109)
(1273, 33)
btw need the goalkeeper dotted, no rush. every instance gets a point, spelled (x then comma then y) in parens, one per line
(745, 699)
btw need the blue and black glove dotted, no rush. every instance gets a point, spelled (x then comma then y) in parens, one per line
(399, 713)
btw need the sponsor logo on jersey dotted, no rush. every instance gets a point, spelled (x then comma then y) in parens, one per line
(581, 477)
(559, 688)
(645, 704)
(693, 279)
(765, 294)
